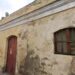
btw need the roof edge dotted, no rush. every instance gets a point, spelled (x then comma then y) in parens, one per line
(37, 4)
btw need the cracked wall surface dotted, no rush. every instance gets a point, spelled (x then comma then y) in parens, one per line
(39, 37)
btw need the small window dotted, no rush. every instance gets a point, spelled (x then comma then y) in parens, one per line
(65, 41)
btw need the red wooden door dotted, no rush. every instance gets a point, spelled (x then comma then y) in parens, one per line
(11, 55)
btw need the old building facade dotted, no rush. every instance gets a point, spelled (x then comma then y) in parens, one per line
(31, 42)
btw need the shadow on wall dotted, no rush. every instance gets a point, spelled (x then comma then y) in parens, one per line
(32, 65)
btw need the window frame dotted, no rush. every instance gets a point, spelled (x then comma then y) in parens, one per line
(68, 42)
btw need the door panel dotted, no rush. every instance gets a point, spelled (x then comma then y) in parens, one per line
(11, 55)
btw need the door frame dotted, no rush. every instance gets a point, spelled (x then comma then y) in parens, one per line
(7, 41)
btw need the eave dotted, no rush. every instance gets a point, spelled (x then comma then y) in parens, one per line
(39, 13)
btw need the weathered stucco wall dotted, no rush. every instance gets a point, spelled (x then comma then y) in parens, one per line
(40, 40)
(36, 45)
